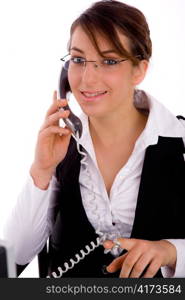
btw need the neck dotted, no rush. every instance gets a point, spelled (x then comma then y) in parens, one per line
(117, 127)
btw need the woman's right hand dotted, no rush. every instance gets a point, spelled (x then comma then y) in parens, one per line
(52, 144)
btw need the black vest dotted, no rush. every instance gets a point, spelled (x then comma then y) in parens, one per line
(159, 212)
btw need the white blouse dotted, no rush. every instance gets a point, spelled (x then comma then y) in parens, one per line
(32, 217)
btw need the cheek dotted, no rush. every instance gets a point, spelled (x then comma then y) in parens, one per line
(121, 84)
(73, 80)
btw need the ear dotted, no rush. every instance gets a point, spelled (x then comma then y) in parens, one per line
(139, 72)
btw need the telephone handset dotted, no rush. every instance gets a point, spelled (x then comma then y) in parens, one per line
(73, 122)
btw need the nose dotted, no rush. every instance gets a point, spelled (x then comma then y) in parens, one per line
(91, 73)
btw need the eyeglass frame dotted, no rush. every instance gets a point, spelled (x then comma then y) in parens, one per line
(94, 61)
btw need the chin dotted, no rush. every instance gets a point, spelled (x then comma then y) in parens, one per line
(94, 113)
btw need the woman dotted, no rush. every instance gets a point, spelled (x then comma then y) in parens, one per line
(129, 190)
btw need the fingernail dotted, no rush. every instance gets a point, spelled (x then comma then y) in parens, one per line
(104, 269)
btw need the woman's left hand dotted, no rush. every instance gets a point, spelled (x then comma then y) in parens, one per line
(140, 254)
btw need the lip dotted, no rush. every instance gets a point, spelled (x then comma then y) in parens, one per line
(92, 98)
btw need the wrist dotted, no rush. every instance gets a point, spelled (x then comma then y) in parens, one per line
(171, 253)
(41, 177)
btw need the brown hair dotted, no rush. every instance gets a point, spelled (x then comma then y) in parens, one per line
(106, 17)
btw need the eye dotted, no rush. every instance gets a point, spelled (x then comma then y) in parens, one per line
(77, 60)
(110, 61)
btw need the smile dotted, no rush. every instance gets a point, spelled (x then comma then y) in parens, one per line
(90, 96)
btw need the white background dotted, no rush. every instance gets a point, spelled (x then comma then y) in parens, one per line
(33, 38)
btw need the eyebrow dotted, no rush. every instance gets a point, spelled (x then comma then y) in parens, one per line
(102, 52)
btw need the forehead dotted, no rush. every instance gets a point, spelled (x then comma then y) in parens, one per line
(82, 41)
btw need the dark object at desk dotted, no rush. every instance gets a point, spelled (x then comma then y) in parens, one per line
(7, 263)
(3, 263)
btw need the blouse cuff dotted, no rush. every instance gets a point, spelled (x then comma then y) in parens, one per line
(179, 270)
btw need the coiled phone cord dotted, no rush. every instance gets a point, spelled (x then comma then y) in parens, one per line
(93, 244)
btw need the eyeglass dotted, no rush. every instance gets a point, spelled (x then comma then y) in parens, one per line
(78, 63)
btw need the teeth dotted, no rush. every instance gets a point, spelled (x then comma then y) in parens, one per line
(93, 94)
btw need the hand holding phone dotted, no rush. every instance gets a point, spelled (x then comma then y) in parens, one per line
(53, 140)
(52, 144)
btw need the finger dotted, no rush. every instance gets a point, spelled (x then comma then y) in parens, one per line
(55, 130)
(108, 244)
(54, 96)
(152, 269)
(111, 245)
(126, 243)
(140, 266)
(129, 262)
(116, 264)
(56, 104)
(54, 118)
